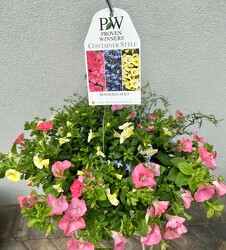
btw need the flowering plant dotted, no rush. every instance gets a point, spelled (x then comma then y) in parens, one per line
(112, 172)
(113, 70)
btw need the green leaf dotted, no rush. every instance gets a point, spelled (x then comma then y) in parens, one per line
(123, 197)
(105, 203)
(173, 174)
(31, 222)
(100, 193)
(193, 184)
(134, 142)
(13, 149)
(210, 212)
(165, 159)
(182, 180)
(2, 156)
(177, 160)
(185, 168)
(109, 25)
(142, 228)
(139, 216)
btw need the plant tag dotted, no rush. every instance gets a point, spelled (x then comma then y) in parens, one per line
(112, 53)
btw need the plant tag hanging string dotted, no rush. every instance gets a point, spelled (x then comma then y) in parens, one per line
(112, 52)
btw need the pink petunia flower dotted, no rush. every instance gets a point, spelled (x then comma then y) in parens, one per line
(74, 244)
(155, 168)
(143, 177)
(120, 241)
(116, 107)
(59, 167)
(59, 205)
(132, 115)
(204, 193)
(197, 138)
(27, 201)
(152, 117)
(187, 145)
(179, 115)
(170, 234)
(94, 76)
(95, 88)
(187, 198)
(19, 139)
(150, 128)
(76, 188)
(220, 188)
(157, 208)
(139, 125)
(153, 237)
(174, 227)
(160, 207)
(45, 126)
(77, 207)
(174, 221)
(71, 223)
(95, 60)
(22, 201)
(207, 158)
(150, 213)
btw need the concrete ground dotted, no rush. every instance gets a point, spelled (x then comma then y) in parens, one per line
(202, 234)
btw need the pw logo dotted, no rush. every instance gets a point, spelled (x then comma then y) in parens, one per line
(111, 22)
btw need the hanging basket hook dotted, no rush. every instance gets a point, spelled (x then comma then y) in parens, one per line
(110, 8)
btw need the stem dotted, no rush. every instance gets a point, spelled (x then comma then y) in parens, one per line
(143, 246)
(151, 247)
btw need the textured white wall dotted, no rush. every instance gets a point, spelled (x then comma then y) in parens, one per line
(42, 60)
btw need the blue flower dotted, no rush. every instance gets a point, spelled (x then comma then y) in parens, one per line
(118, 163)
(113, 70)
(128, 167)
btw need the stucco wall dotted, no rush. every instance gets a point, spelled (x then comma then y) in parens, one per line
(42, 60)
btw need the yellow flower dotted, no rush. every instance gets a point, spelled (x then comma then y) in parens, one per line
(99, 152)
(126, 133)
(91, 135)
(166, 131)
(148, 151)
(135, 55)
(63, 140)
(125, 125)
(40, 163)
(136, 61)
(41, 143)
(116, 134)
(59, 131)
(13, 175)
(135, 83)
(112, 197)
(134, 72)
(10, 156)
(127, 67)
(129, 85)
(45, 163)
(69, 134)
(69, 124)
(58, 188)
(80, 172)
(128, 59)
(118, 176)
